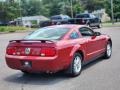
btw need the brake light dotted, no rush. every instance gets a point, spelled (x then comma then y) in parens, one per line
(11, 50)
(48, 51)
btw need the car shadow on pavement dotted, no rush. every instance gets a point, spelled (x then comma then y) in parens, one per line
(44, 79)
(92, 63)
(36, 79)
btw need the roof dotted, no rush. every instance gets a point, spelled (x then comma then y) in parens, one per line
(68, 26)
(59, 15)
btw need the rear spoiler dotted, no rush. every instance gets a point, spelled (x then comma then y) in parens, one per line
(42, 41)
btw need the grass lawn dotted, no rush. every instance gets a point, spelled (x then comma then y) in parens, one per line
(12, 28)
(111, 25)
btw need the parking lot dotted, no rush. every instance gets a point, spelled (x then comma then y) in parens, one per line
(99, 75)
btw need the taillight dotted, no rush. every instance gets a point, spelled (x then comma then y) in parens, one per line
(47, 52)
(23, 51)
(11, 50)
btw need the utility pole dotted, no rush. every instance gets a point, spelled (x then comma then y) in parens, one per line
(20, 12)
(71, 2)
(112, 12)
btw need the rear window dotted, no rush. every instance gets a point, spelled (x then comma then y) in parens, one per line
(48, 33)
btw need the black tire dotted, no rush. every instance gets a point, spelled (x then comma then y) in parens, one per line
(25, 72)
(100, 25)
(71, 70)
(88, 24)
(108, 54)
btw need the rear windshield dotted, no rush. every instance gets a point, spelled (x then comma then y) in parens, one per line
(48, 33)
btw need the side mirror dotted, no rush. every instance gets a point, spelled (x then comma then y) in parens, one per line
(97, 34)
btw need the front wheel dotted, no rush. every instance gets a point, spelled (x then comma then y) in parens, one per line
(76, 65)
(108, 52)
(99, 26)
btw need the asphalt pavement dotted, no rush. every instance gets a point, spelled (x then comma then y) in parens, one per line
(99, 75)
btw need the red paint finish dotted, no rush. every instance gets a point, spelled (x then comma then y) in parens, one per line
(56, 55)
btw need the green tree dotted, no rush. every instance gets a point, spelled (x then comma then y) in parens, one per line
(116, 8)
(92, 5)
(52, 6)
(31, 7)
(10, 10)
(62, 7)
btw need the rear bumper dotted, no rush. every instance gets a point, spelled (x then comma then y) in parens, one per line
(39, 64)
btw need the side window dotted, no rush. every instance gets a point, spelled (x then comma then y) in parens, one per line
(92, 16)
(74, 35)
(86, 31)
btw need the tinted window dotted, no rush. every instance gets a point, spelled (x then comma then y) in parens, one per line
(86, 31)
(92, 16)
(66, 17)
(74, 35)
(83, 16)
(56, 18)
(48, 33)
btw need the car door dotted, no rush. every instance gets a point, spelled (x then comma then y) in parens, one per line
(91, 19)
(93, 43)
(94, 21)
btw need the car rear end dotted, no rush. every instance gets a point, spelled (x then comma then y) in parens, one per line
(35, 55)
(39, 56)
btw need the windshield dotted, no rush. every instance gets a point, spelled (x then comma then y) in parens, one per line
(48, 33)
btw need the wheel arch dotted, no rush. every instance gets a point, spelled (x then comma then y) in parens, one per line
(81, 53)
(78, 49)
(109, 40)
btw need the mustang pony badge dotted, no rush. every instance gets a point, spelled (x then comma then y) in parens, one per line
(27, 51)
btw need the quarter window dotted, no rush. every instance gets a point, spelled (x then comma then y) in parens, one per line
(74, 35)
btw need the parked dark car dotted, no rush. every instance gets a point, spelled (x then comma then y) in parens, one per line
(60, 19)
(56, 20)
(81, 19)
(3, 23)
(86, 19)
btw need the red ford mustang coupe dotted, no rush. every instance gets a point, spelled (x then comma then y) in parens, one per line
(55, 48)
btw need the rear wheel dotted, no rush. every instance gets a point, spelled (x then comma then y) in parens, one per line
(108, 52)
(25, 72)
(76, 65)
